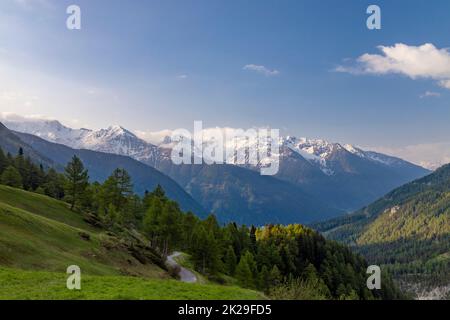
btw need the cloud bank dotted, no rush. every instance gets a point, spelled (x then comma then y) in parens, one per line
(428, 155)
(416, 62)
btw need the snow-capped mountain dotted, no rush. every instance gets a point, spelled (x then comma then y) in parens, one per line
(118, 140)
(342, 175)
(114, 139)
(316, 151)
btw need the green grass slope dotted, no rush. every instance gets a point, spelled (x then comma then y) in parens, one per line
(40, 233)
(40, 237)
(24, 285)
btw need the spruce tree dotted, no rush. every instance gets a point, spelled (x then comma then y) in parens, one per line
(54, 184)
(205, 251)
(77, 181)
(245, 271)
(230, 261)
(275, 277)
(3, 161)
(263, 279)
(11, 177)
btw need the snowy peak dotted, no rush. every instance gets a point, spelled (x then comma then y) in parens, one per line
(118, 131)
(316, 148)
(110, 134)
(50, 130)
(374, 156)
(118, 140)
(114, 139)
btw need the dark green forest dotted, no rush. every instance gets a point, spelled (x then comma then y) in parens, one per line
(407, 231)
(285, 262)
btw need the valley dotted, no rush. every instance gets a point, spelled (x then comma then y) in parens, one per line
(316, 179)
(407, 231)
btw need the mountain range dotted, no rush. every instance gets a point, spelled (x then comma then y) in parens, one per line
(316, 180)
(99, 164)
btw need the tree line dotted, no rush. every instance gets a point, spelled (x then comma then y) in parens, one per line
(286, 262)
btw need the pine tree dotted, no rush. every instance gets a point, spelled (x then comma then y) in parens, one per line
(77, 181)
(253, 240)
(11, 177)
(118, 191)
(3, 161)
(244, 273)
(170, 226)
(310, 272)
(190, 221)
(151, 222)
(205, 251)
(159, 192)
(54, 184)
(19, 163)
(230, 261)
(264, 279)
(199, 248)
(275, 277)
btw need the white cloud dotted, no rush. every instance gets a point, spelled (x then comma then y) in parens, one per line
(428, 155)
(262, 70)
(153, 137)
(430, 94)
(182, 76)
(444, 84)
(13, 117)
(425, 61)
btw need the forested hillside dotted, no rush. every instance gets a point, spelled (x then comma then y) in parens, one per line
(94, 220)
(408, 231)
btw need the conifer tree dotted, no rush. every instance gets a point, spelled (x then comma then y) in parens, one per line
(11, 177)
(3, 161)
(230, 261)
(244, 273)
(263, 279)
(77, 180)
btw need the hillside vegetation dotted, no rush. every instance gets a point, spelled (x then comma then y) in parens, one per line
(24, 285)
(108, 230)
(40, 233)
(408, 231)
(48, 236)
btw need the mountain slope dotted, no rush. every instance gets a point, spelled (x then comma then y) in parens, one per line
(40, 233)
(231, 192)
(408, 230)
(244, 196)
(40, 237)
(9, 142)
(100, 166)
(343, 178)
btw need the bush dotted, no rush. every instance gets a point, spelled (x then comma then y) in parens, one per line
(298, 289)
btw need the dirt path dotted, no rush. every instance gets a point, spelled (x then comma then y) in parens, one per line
(184, 274)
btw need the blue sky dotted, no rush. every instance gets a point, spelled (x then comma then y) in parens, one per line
(152, 65)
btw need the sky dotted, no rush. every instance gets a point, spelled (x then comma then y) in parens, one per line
(308, 68)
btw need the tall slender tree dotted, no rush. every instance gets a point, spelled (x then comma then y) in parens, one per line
(77, 180)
